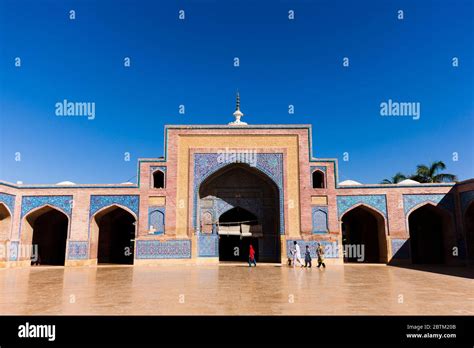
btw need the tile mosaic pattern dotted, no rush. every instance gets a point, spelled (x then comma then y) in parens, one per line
(100, 201)
(331, 248)
(78, 250)
(466, 198)
(401, 249)
(205, 164)
(170, 249)
(156, 218)
(63, 203)
(9, 201)
(344, 203)
(208, 245)
(442, 200)
(320, 219)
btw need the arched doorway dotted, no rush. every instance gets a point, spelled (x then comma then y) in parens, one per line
(243, 195)
(238, 229)
(363, 236)
(5, 222)
(113, 236)
(427, 227)
(47, 229)
(469, 228)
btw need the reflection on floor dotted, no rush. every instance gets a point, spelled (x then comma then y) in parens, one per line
(125, 290)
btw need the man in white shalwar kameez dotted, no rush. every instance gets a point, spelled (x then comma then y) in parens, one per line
(297, 255)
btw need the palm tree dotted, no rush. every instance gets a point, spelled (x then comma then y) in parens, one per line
(395, 179)
(431, 173)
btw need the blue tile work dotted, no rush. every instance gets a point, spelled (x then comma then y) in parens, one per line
(208, 245)
(156, 218)
(63, 203)
(378, 202)
(320, 219)
(14, 245)
(129, 201)
(331, 248)
(442, 200)
(9, 201)
(205, 164)
(156, 249)
(321, 168)
(401, 249)
(466, 198)
(152, 169)
(78, 250)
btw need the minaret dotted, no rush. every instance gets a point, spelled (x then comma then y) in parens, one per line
(237, 114)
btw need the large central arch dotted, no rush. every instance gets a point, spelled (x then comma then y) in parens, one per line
(238, 192)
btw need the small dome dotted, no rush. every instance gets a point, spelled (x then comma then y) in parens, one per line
(65, 183)
(127, 183)
(408, 182)
(349, 183)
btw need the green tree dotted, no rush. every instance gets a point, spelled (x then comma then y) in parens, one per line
(395, 179)
(431, 173)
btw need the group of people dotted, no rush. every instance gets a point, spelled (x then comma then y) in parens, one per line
(296, 256)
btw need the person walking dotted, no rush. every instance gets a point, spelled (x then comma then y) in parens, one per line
(297, 254)
(320, 253)
(252, 256)
(307, 257)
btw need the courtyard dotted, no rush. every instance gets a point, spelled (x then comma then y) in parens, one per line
(235, 289)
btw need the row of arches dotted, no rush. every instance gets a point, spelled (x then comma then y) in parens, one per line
(431, 232)
(113, 229)
(112, 232)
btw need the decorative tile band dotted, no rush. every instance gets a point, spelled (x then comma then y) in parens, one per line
(466, 198)
(344, 203)
(156, 220)
(321, 168)
(171, 249)
(208, 245)
(401, 249)
(331, 248)
(9, 201)
(63, 203)
(319, 215)
(78, 250)
(99, 202)
(442, 200)
(206, 164)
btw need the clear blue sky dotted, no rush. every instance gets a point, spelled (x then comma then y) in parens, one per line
(190, 62)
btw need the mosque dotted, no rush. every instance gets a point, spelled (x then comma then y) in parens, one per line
(220, 188)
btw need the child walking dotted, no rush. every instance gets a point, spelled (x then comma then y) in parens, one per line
(307, 257)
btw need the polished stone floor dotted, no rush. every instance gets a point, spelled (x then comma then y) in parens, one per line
(235, 289)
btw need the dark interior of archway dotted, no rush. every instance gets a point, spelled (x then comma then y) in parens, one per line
(469, 223)
(5, 223)
(242, 182)
(360, 227)
(318, 179)
(426, 235)
(50, 235)
(158, 179)
(116, 237)
(234, 248)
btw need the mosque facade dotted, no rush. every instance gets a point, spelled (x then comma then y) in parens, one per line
(220, 188)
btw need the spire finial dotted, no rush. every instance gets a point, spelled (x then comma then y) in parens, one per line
(237, 113)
